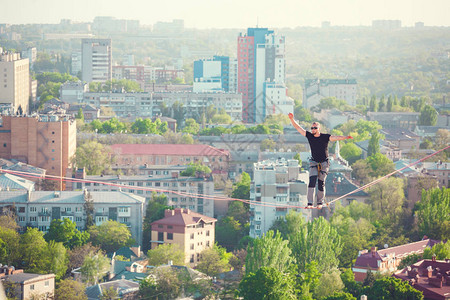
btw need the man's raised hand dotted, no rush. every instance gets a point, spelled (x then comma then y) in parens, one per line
(291, 116)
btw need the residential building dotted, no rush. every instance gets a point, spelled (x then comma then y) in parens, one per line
(96, 60)
(174, 27)
(172, 154)
(15, 82)
(318, 89)
(32, 173)
(31, 54)
(171, 123)
(181, 191)
(38, 208)
(89, 113)
(76, 64)
(401, 139)
(274, 189)
(147, 74)
(72, 92)
(386, 260)
(30, 285)
(147, 105)
(261, 61)
(404, 120)
(44, 141)
(275, 99)
(430, 276)
(334, 117)
(193, 232)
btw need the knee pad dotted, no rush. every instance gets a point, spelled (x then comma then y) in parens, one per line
(312, 181)
(320, 185)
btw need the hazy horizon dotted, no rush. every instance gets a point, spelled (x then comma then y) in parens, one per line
(203, 14)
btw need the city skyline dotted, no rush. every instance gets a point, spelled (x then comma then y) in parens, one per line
(204, 14)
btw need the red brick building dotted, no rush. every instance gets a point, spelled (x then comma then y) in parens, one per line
(387, 260)
(193, 232)
(431, 277)
(172, 154)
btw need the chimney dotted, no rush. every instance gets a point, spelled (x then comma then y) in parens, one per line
(169, 213)
(373, 250)
(429, 271)
(433, 258)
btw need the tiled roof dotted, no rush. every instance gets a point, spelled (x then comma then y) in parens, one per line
(123, 286)
(24, 277)
(423, 283)
(167, 149)
(344, 186)
(184, 218)
(371, 259)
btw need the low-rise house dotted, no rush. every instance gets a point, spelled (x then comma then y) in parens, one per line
(10, 182)
(431, 277)
(90, 113)
(193, 232)
(386, 260)
(28, 285)
(125, 289)
(38, 208)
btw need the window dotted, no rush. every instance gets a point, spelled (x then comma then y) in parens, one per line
(207, 232)
(124, 209)
(33, 219)
(4, 145)
(21, 219)
(192, 246)
(160, 226)
(32, 287)
(160, 236)
(192, 258)
(170, 236)
(33, 209)
(78, 219)
(169, 227)
(22, 209)
(47, 283)
(192, 236)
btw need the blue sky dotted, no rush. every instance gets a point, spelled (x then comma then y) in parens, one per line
(232, 13)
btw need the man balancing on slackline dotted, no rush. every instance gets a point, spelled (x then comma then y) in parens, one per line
(318, 164)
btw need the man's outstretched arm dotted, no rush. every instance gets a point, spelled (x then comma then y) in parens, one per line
(339, 138)
(296, 125)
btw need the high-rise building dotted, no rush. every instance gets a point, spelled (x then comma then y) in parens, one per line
(96, 58)
(76, 63)
(31, 54)
(15, 83)
(217, 73)
(261, 60)
(275, 188)
(46, 141)
(318, 89)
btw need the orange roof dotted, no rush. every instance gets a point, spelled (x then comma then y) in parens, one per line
(183, 217)
(168, 149)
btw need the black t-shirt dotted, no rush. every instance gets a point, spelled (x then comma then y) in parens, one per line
(319, 146)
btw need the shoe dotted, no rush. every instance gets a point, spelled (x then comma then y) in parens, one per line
(309, 205)
(319, 205)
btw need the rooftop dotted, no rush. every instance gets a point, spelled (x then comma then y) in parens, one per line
(168, 149)
(183, 217)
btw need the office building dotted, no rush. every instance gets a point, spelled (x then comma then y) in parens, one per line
(276, 185)
(14, 83)
(96, 58)
(261, 62)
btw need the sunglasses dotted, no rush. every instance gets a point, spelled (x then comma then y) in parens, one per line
(314, 128)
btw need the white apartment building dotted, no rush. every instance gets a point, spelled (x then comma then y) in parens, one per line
(14, 82)
(276, 101)
(73, 92)
(38, 208)
(76, 64)
(96, 57)
(144, 186)
(318, 89)
(275, 187)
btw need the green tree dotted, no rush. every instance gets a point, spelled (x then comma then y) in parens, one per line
(191, 126)
(69, 289)
(329, 283)
(178, 112)
(222, 118)
(308, 280)
(374, 144)
(351, 285)
(144, 126)
(379, 165)
(241, 190)
(268, 144)
(351, 152)
(316, 241)
(66, 233)
(94, 267)
(340, 296)
(270, 251)
(433, 213)
(228, 232)
(387, 198)
(32, 248)
(211, 263)
(77, 255)
(94, 157)
(428, 116)
(110, 236)
(193, 168)
(441, 250)
(56, 259)
(288, 224)
(297, 157)
(80, 115)
(109, 294)
(154, 211)
(164, 253)
(10, 245)
(267, 283)
(392, 288)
